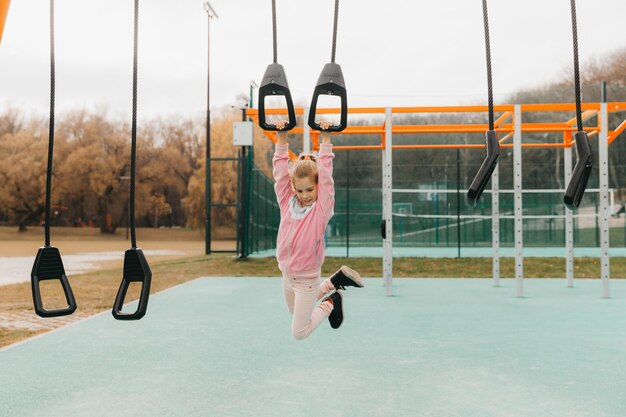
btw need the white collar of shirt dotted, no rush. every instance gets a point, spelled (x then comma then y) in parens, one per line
(297, 210)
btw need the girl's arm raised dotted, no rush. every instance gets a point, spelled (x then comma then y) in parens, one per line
(281, 169)
(326, 184)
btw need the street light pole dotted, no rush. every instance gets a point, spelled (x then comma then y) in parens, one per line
(207, 178)
(253, 85)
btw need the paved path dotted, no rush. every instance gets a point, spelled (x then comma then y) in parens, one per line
(30, 321)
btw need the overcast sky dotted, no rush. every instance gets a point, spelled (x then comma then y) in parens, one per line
(392, 52)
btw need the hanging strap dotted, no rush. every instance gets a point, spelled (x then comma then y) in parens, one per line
(274, 34)
(331, 82)
(48, 264)
(274, 83)
(580, 175)
(136, 268)
(492, 145)
(336, 18)
(50, 129)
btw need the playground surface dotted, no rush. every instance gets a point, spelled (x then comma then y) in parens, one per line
(439, 347)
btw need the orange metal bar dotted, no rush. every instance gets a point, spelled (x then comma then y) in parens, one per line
(383, 136)
(613, 107)
(509, 135)
(566, 127)
(351, 148)
(618, 130)
(502, 118)
(255, 113)
(451, 109)
(445, 146)
(537, 145)
(586, 115)
(568, 139)
(4, 10)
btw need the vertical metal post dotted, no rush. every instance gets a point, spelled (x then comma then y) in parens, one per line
(458, 202)
(306, 133)
(348, 207)
(246, 161)
(495, 224)
(603, 145)
(517, 198)
(387, 204)
(207, 164)
(569, 220)
(239, 197)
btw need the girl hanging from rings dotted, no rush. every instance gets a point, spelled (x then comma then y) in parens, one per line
(306, 195)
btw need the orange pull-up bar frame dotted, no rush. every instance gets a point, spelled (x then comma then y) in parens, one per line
(4, 10)
(504, 124)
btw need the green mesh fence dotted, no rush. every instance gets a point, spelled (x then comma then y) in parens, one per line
(264, 212)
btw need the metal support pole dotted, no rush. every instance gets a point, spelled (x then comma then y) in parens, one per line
(458, 203)
(348, 205)
(306, 133)
(569, 222)
(495, 224)
(517, 197)
(207, 164)
(603, 145)
(387, 205)
(246, 160)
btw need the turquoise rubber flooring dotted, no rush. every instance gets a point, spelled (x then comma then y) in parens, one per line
(438, 348)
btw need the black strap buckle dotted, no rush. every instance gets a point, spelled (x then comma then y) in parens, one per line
(486, 169)
(136, 269)
(330, 82)
(580, 175)
(274, 83)
(48, 265)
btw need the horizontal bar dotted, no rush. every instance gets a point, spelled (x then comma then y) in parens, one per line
(501, 191)
(502, 216)
(548, 107)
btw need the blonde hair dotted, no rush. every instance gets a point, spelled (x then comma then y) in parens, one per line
(304, 167)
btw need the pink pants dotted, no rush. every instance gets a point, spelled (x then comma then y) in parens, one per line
(301, 296)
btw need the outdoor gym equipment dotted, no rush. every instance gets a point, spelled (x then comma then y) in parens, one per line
(491, 137)
(274, 83)
(331, 82)
(136, 268)
(48, 264)
(578, 182)
(4, 9)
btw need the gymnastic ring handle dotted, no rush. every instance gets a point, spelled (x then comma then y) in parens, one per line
(136, 269)
(580, 175)
(48, 266)
(274, 83)
(483, 175)
(330, 82)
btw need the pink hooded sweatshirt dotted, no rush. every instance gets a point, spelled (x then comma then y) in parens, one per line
(300, 247)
